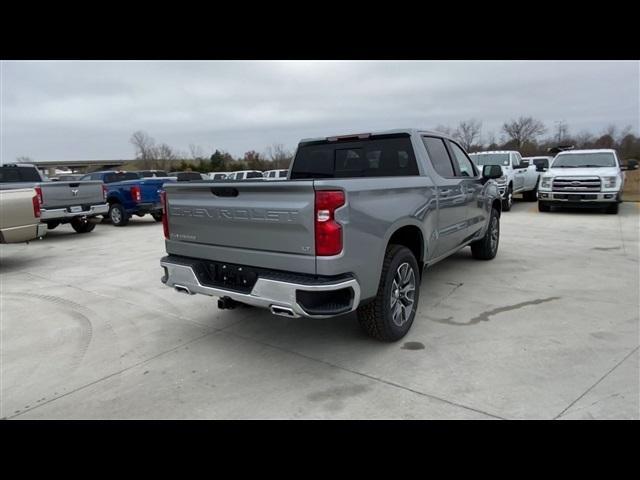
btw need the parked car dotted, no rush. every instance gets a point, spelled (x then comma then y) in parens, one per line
(77, 202)
(20, 216)
(517, 178)
(276, 174)
(541, 163)
(128, 194)
(245, 175)
(187, 176)
(327, 243)
(152, 173)
(218, 175)
(584, 178)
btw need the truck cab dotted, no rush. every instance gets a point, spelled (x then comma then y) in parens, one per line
(519, 176)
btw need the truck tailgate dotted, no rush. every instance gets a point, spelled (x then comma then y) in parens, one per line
(66, 194)
(268, 219)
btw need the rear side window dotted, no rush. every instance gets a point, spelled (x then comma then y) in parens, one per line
(19, 174)
(439, 156)
(377, 157)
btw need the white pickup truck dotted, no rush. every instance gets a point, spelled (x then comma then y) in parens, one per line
(584, 178)
(519, 176)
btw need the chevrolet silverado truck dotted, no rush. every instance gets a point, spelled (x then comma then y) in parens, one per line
(352, 228)
(20, 216)
(77, 202)
(519, 176)
(584, 178)
(128, 193)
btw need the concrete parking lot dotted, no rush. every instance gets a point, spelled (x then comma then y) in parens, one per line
(549, 329)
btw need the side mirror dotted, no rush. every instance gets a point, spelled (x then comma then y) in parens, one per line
(631, 165)
(491, 171)
(524, 164)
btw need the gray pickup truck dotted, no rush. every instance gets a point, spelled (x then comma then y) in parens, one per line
(351, 229)
(72, 202)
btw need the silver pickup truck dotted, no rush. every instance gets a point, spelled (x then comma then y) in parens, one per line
(351, 229)
(72, 202)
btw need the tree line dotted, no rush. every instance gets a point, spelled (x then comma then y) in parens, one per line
(529, 136)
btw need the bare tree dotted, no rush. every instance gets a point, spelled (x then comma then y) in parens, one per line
(145, 149)
(562, 131)
(467, 132)
(443, 129)
(523, 130)
(164, 156)
(280, 157)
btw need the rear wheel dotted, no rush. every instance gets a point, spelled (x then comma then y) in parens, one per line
(508, 200)
(487, 247)
(157, 216)
(543, 207)
(390, 315)
(118, 215)
(82, 225)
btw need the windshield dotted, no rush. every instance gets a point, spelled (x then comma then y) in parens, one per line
(584, 160)
(501, 159)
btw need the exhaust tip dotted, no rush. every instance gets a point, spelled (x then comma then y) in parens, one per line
(282, 311)
(182, 289)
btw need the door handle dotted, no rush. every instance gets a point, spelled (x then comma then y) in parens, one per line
(446, 192)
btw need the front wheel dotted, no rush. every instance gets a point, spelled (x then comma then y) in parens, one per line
(390, 315)
(157, 216)
(487, 247)
(118, 215)
(543, 207)
(508, 200)
(613, 208)
(82, 225)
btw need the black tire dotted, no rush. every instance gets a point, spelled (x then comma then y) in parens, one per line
(487, 247)
(376, 318)
(82, 225)
(157, 216)
(118, 215)
(507, 202)
(531, 195)
(613, 208)
(52, 224)
(543, 207)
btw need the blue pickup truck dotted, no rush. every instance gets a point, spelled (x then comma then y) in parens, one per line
(128, 193)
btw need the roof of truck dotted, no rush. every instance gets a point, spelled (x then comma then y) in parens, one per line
(494, 151)
(409, 131)
(592, 150)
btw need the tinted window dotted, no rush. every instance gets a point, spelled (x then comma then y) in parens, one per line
(283, 173)
(9, 175)
(120, 177)
(254, 175)
(438, 156)
(575, 160)
(464, 164)
(481, 159)
(376, 157)
(541, 162)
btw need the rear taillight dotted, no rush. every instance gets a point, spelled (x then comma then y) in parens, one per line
(165, 214)
(328, 231)
(39, 193)
(104, 192)
(36, 205)
(136, 196)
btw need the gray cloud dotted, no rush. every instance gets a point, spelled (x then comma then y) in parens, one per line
(87, 110)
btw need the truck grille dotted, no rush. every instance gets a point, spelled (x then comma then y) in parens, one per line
(576, 184)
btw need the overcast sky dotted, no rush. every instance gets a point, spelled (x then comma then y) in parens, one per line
(76, 110)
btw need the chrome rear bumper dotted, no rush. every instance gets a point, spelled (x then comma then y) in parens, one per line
(277, 295)
(56, 213)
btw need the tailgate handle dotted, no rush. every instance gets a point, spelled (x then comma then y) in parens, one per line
(224, 191)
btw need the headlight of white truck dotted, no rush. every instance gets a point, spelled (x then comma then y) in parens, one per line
(545, 183)
(609, 182)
